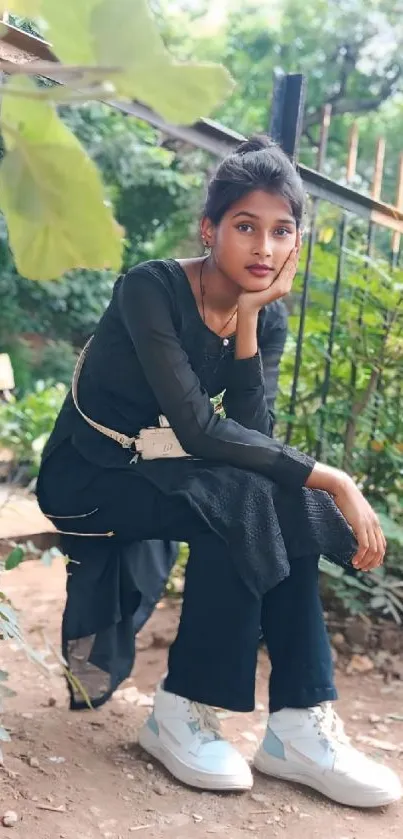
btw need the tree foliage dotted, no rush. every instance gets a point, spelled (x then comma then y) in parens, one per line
(350, 52)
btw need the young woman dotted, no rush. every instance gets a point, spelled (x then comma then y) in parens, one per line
(256, 513)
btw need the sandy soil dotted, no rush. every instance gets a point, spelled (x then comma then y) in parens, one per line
(82, 776)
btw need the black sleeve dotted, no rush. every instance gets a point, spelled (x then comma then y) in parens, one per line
(147, 313)
(252, 385)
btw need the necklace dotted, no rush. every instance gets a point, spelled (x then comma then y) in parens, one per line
(203, 294)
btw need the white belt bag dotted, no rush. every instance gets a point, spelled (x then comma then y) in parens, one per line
(150, 443)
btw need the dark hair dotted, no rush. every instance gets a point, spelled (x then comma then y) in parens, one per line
(258, 163)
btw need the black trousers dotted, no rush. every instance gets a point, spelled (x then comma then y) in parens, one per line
(213, 659)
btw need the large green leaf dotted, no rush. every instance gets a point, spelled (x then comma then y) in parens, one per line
(70, 29)
(51, 194)
(123, 34)
(25, 8)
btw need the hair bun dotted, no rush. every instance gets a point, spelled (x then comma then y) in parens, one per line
(258, 142)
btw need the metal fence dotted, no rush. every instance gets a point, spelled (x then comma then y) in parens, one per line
(357, 211)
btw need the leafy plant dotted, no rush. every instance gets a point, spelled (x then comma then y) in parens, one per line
(51, 193)
(379, 592)
(25, 424)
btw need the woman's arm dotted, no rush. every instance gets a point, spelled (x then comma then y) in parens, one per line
(253, 378)
(147, 313)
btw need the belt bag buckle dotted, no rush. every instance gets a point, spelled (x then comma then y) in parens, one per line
(154, 443)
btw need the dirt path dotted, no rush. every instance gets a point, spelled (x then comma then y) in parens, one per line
(82, 776)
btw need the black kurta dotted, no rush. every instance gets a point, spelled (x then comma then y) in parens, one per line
(152, 354)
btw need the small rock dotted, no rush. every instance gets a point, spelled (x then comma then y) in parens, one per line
(33, 762)
(360, 664)
(159, 789)
(391, 639)
(150, 767)
(10, 818)
(250, 736)
(358, 632)
(52, 701)
(130, 776)
(27, 716)
(197, 818)
(339, 642)
(374, 718)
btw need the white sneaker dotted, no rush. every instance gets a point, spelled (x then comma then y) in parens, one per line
(184, 736)
(309, 746)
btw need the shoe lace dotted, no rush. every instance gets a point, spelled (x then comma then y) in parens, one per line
(329, 724)
(207, 720)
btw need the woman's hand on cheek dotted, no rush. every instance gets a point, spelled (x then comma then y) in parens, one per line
(279, 287)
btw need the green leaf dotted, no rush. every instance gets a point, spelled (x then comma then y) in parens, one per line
(123, 34)
(14, 558)
(51, 194)
(69, 29)
(25, 8)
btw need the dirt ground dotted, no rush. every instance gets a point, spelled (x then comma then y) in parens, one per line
(82, 776)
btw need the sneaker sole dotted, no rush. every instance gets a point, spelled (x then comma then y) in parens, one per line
(184, 773)
(275, 768)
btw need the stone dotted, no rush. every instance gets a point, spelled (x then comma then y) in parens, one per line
(159, 789)
(339, 642)
(10, 818)
(360, 664)
(358, 632)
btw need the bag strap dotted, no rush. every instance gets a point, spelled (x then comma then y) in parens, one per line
(123, 440)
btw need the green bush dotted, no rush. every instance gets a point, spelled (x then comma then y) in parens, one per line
(25, 424)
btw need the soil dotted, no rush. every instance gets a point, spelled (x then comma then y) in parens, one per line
(82, 776)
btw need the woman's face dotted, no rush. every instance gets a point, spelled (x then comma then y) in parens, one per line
(253, 239)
